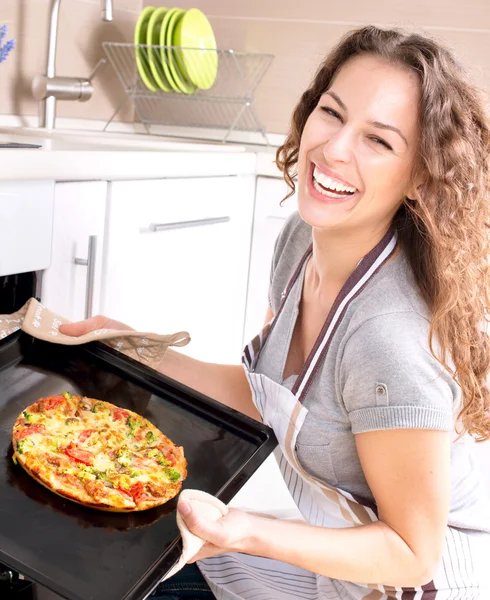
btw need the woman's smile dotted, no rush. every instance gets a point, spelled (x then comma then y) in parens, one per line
(325, 187)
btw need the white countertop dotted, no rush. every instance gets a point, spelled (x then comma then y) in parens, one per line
(68, 155)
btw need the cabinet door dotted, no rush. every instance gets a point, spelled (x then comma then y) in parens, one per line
(79, 213)
(26, 209)
(269, 218)
(177, 259)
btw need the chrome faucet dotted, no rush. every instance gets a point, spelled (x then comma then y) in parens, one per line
(49, 88)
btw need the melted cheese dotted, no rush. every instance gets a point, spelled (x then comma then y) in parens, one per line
(103, 463)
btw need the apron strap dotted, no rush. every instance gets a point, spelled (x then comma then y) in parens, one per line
(357, 281)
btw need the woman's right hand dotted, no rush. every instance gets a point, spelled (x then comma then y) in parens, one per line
(99, 322)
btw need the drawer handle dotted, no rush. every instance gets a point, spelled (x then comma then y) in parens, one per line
(89, 262)
(182, 224)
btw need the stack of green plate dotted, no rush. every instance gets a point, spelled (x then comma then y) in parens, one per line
(191, 65)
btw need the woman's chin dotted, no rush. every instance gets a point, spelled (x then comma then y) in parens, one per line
(324, 216)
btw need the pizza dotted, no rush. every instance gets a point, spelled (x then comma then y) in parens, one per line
(97, 454)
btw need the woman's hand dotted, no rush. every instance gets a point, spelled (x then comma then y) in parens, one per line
(231, 533)
(98, 322)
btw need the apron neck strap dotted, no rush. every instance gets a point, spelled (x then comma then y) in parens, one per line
(365, 270)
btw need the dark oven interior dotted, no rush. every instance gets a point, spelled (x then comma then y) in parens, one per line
(15, 291)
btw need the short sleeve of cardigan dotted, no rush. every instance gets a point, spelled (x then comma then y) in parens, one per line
(390, 380)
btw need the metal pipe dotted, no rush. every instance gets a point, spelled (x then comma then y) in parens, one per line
(107, 10)
(47, 107)
(53, 37)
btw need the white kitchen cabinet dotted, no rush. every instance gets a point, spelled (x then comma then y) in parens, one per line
(26, 209)
(68, 288)
(269, 218)
(177, 255)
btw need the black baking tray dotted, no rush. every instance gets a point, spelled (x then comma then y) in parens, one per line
(85, 554)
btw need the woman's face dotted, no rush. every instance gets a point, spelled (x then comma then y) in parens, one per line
(358, 147)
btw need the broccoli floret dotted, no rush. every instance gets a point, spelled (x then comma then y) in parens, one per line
(159, 456)
(124, 457)
(20, 446)
(88, 469)
(131, 423)
(98, 406)
(150, 437)
(28, 416)
(84, 475)
(124, 483)
(172, 474)
(66, 395)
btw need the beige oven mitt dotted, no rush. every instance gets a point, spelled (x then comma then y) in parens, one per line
(205, 506)
(39, 322)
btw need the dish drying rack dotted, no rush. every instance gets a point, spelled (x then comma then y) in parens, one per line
(227, 106)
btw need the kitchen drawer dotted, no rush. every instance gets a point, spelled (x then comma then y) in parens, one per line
(176, 258)
(26, 225)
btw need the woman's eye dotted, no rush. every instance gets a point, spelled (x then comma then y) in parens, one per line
(331, 111)
(378, 140)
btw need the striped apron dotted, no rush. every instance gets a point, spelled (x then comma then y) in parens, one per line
(242, 576)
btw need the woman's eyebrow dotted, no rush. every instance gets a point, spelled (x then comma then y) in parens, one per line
(390, 127)
(337, 99)
(377, 124)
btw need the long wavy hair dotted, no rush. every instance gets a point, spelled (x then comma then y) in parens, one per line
(444, 229)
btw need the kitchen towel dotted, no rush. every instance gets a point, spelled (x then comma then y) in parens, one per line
(41, 323)
(205, 506)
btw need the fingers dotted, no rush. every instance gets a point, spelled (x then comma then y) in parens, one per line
(210, 531)
(83, 327)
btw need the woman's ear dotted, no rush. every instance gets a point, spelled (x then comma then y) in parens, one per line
(411, 195)
(417, 186)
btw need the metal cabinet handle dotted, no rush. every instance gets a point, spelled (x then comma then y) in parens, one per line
(89, 262)
(183, 224)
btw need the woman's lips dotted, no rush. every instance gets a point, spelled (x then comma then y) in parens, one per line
(323, 195)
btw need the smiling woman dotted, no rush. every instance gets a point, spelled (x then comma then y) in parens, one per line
(374, 355)
(396, 116)
(356, 146)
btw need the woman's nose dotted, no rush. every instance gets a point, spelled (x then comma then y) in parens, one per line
(339, 146)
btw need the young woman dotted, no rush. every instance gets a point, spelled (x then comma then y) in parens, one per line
(371, 367)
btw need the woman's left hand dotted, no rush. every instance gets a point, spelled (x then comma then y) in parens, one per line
(231, 533)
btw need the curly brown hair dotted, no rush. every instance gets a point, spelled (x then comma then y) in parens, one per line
(444, 229)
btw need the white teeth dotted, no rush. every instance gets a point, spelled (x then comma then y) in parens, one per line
(330, 183)
(326, 193)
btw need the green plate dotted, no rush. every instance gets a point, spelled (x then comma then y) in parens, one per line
(163, 51)
(153, 39)
(198, 66)
(181, 82)
(140, 53)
